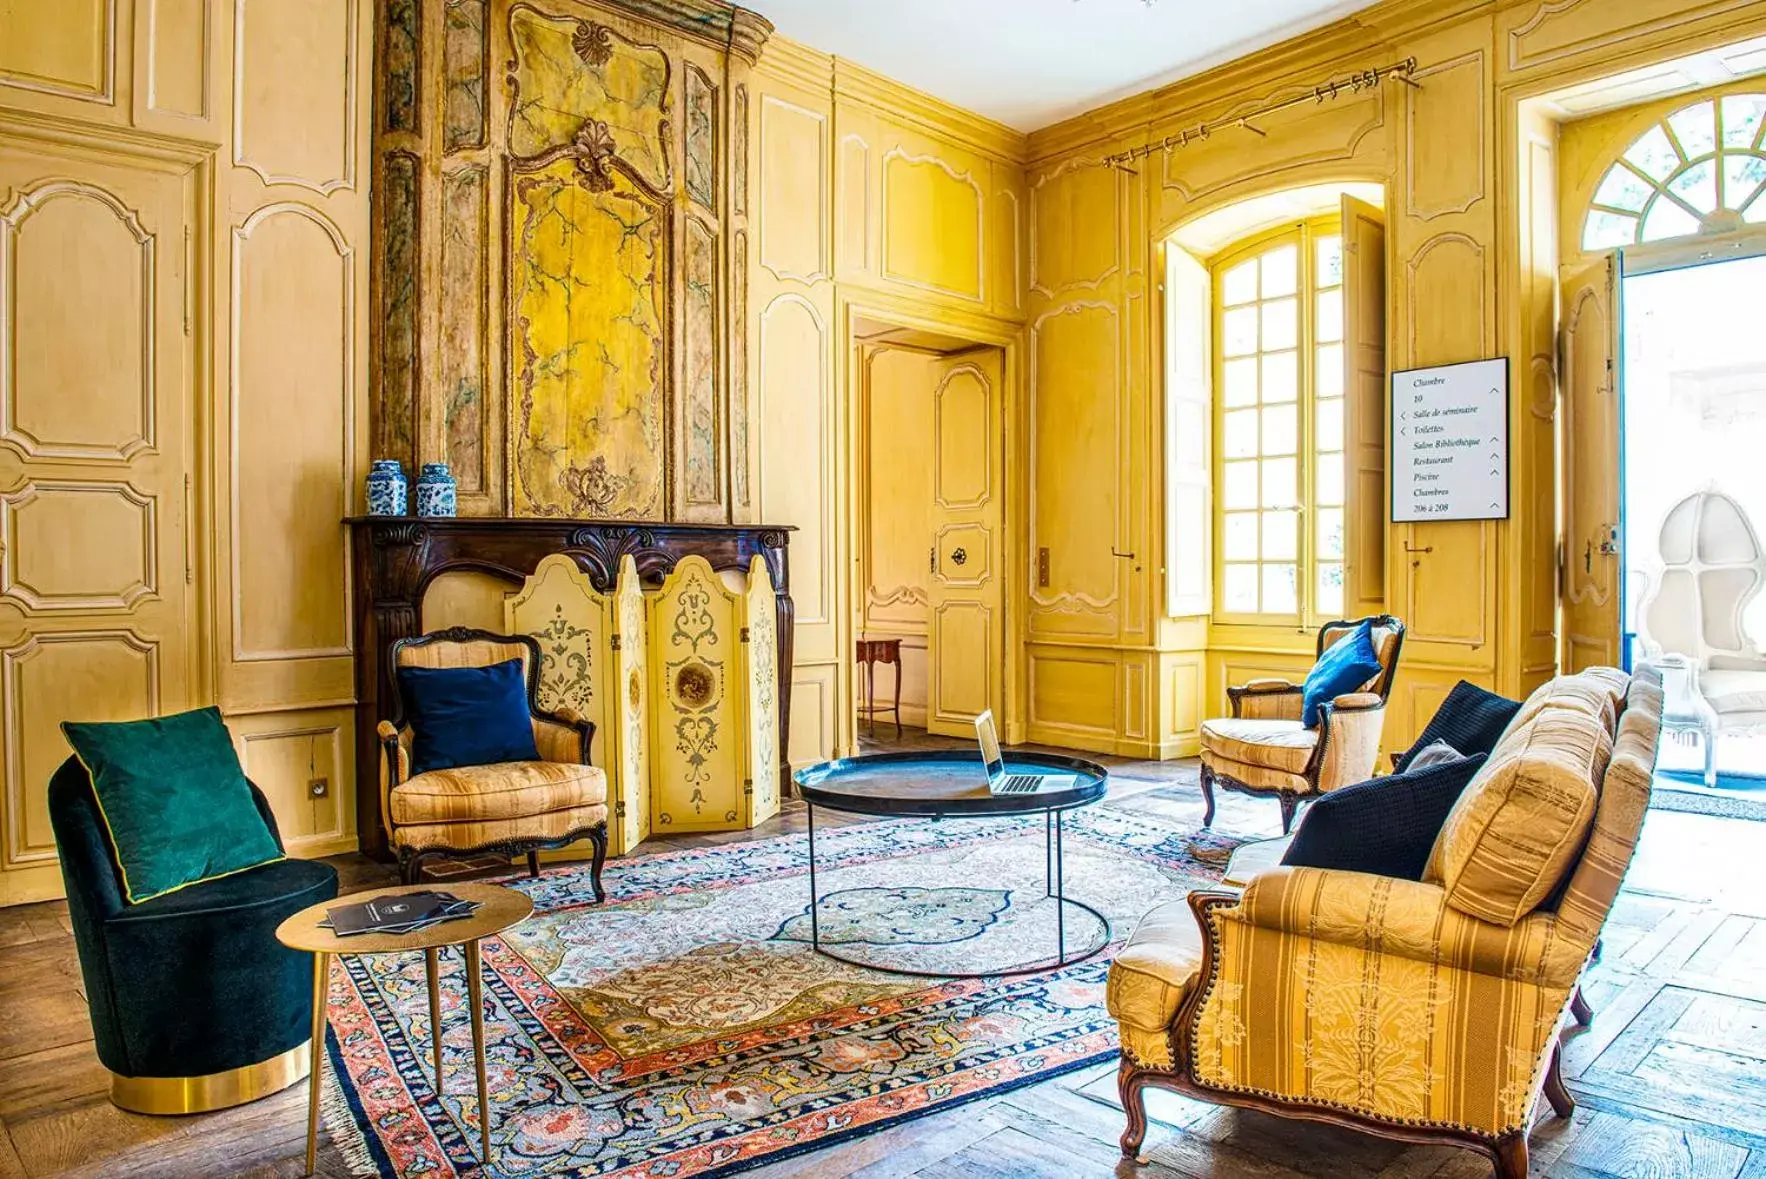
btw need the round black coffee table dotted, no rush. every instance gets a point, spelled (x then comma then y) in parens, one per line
(949, 785)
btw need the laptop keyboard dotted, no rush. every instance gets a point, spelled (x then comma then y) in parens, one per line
(1020, 784)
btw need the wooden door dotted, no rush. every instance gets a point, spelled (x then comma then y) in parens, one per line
(96, 563)
(1589, 552)
(965, 624)
(1365, 412)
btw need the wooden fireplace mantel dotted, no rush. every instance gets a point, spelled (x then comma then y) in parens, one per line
(394, 558)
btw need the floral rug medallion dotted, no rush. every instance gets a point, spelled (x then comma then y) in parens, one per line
(686, 1028)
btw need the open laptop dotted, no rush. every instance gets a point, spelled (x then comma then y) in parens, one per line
(1000, 782)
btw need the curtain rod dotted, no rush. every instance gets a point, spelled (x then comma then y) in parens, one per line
(1351, 84)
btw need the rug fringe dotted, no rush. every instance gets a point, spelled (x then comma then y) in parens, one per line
(341, 1128)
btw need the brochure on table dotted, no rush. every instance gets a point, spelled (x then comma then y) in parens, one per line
(1450, 442)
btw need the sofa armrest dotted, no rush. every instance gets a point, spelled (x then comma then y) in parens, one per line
(563, 736)
(1410, 919)
(1268, 699)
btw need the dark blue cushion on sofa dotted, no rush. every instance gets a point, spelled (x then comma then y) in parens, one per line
(1470, 719)
(1386, 826)
(1345, 666)
(467, 716)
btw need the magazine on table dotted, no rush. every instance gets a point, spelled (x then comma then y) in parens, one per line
(403, 913)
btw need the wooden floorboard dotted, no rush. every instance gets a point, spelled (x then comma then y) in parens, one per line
(1671, 1077)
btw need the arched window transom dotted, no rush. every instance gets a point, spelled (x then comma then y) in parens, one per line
(1700, 170)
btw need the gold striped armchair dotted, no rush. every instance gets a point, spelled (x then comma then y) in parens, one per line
(1426, 1011)
(510, 808)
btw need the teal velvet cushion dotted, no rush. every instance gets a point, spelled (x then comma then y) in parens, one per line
(174, 800)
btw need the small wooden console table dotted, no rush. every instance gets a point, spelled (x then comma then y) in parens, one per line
(394, 558)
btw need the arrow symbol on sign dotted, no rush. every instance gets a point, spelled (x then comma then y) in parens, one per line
(1404, 430)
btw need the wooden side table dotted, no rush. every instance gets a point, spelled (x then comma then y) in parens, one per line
(499, 908)
(871, 652)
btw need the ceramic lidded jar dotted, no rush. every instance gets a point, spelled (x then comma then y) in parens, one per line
(388, 489)
(435, 491)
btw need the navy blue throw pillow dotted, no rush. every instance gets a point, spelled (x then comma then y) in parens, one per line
(1345, 666)
(1470, 719)
(1386, 826)
(467, 716)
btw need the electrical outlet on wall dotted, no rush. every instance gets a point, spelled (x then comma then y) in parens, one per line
(318, 787)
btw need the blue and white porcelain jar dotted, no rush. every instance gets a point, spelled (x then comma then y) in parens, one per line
(387, 488)
(435, 490)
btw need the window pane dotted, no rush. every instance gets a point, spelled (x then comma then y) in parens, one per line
(1280, 539)
(1741, 177)
(1241, 381)
(1668, 219)
(1281, 430)
(1241, 485)
(1741, 119)
(1330, 479)
(1697, 186)
(1280, 324)
(1281, 377)
(1330, 261)
(1330, 589)
(1240, 588)
(1654, 156)
(1330, 316)
(1330, 533)
(1238, 331)
(1329, 377)
(1623, 189)
(1695, 128)
(1280, 590)
(1240, 284)
(1280, 271)
(1280, 481)
(1240, 432)
(1329, 435)
(1240, 539)
(1605, 230)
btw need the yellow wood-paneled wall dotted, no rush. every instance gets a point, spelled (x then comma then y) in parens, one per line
(870, 200)
(184, 236)
(1471, 173)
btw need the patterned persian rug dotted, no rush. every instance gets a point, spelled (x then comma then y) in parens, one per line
(686, 1028)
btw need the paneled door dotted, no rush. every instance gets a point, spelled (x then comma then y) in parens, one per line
(965, 631)
(1589, 372)
(95, 436)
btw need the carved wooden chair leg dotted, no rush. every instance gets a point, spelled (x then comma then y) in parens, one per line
(1207, 795)
(598, 837)
(410, 863)
(1290, 803)
(533, 864)
(1562, 1104)
(1510, 1156)
(1580, 1011)
(1129, 1083)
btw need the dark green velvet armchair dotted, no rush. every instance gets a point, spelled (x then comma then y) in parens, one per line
(195, 1004)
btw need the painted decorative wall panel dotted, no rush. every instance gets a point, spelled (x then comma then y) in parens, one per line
(702, 123)
(1075, 226)
(72, 55)
(400, 207)
(113, 565)
(179, 41)
(285, 128)
(796, 444)
(740, 492)
(700, 332)
(465, 61)
(588, 298)
(793, 190)
(464, 355)
(922, 193)
(401, 57)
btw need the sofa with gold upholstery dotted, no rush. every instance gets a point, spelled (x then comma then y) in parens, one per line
(1262, 748)
(510, 808)
(1427, 1011)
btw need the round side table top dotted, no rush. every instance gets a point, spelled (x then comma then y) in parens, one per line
(499, 908)
(945, 782)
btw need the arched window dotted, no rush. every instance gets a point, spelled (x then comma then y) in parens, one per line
(1700, 170)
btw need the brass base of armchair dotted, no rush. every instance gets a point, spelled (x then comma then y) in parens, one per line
(411, 859)
(174, 1096)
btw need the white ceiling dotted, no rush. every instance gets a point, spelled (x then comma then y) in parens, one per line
(1029, 63)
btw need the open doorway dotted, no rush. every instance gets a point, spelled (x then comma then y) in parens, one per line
(928, 498)
(1693, 503)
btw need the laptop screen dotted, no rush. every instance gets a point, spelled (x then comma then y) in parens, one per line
(990, 744)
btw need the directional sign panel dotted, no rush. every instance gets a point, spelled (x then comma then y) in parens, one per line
(1450, 442)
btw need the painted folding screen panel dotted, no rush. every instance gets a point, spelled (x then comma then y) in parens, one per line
(698, 750)
(760, 649)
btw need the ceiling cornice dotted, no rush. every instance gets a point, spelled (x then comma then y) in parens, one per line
(714, 22)
(933, 115)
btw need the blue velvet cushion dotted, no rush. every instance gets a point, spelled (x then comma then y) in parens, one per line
(1345, 666)
(1470, 719)
(174, 802)
(1386, 826)
(467, 716)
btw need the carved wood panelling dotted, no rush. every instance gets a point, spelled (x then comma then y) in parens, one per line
(400, 334)
(286, 129)
(700, 332)
(922, 192)
(1560, 29)
(113, 566)
(895, 518)
(97, 401)
(701, 138)
(962, 633)
(1074, 692)
(71, 56)
(401, 65)
(292, 399)
(739, 154)
(1296, 139)
(49, 678)
(962, 417)
(796, 445)
(740, 488)
(465, 320)
(793, 191)
(1007, 248)
(283, 753)
(855, 202)
(1446, 291)
(179, 35)
(466, 50)
(1075, 223)
(1446, 127)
